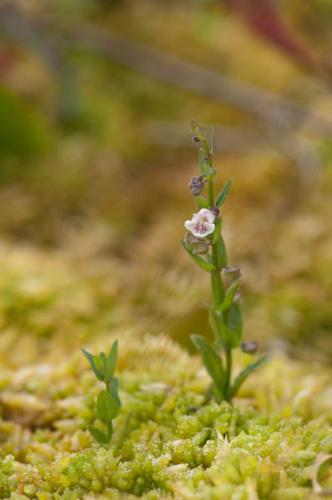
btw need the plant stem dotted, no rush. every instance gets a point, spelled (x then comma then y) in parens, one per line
(211, 192)
(229, 363)
(218, 289)
(218, 294)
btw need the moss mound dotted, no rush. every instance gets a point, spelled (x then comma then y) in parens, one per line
(169, 441)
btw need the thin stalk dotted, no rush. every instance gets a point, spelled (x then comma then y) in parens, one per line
(218, 294)
(228, 370)
(218, 289)
(211, 192)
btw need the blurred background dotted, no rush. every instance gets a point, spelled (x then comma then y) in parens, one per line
(96, 99)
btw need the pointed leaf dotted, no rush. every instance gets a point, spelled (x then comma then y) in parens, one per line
(221, 253)
(215, 325)
(100, 361)
(234, 325)
(212, 362)
(111, 362)
(107, 407)
(113, 387)
(99, 435)
(202, 263)
(223, 195)
(217, 287)
(230, 294)
(225, 337)
(245, 374)
(93, 361)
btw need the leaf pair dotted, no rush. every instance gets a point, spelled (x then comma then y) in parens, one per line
(214, 366)
(107, 409)
(102, 365)
(108, 402)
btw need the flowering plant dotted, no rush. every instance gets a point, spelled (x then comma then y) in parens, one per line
(205, 244)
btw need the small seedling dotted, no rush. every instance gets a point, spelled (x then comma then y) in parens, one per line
(108, 403)
(205, 245)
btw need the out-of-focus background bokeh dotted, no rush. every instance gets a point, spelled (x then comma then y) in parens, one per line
(96, 99)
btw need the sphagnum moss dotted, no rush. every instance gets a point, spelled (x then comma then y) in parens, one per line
(168, 441)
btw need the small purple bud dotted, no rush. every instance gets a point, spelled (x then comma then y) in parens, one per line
(196, 185)
(250, 347)
(229, 269)
(232, 273)
(215, 211)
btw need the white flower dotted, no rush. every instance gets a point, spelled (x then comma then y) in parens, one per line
(201, 224)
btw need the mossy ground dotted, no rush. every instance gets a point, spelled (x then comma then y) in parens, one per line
(169, 442)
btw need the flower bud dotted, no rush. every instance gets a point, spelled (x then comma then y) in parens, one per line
(250, 346)
(229, 269)
(196, 185)
(215, 211)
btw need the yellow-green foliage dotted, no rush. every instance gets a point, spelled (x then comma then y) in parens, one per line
(168, 442)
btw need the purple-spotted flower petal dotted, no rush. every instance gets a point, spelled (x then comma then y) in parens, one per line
(201, 224)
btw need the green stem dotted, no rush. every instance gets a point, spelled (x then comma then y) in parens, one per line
(228, 370)
(218, 289)
(211, 192)
(218, 294)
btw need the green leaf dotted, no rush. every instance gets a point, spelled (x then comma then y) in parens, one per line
(113, 388)
(245, 374)
(94, 362)
(215, 320)
(99, 435)
(100, 361)
(111, 362)
(202, 263)
(217, 287)
(221, 253)
(225, 337)
(212, 362)
(230, 294)
(107, 407)
(234, 325)
(223, 195)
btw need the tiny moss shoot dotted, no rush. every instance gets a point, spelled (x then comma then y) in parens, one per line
(108, 402)
(205, 245)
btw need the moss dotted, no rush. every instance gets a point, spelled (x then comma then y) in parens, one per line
(169, 442)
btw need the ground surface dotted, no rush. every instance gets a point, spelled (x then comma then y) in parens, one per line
(168, 441)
